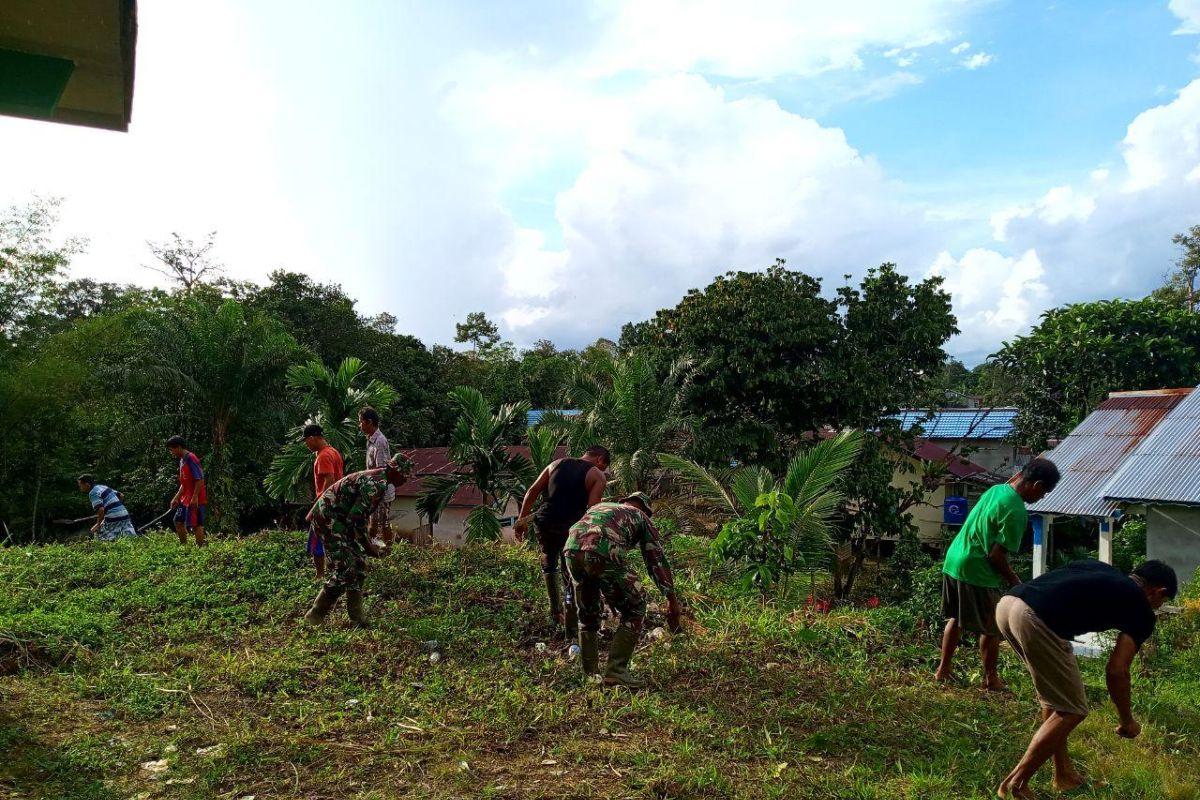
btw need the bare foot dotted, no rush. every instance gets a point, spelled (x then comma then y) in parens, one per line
(1024, 793)
(943, 675)
(995, 685)
(1065, 783)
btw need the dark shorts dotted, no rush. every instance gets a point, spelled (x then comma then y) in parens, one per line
(315, 546)
(190, 517)
(973, 606)
(552, 537)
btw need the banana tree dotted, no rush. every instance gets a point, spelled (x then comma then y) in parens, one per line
(331, 399)
(479, 450)
(779, 526)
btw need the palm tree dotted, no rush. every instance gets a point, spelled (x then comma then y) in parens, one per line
(628, 407)
(224, 364)
(479, 448)
(787, 521)
(331, 399)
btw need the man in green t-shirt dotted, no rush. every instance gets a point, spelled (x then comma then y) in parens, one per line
(976, 572)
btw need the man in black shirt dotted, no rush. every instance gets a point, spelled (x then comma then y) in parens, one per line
(571, 486)
(1040, 618)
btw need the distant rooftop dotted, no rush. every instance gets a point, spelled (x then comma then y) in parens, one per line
(1165, 467)
(535, 416)
(960, 423)
(1100, 445)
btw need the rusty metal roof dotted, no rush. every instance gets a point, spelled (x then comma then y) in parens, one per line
(1165, 467)
(1099, 446)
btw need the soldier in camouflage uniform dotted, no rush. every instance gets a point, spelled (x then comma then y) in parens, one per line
(340, 516)
(596, 553)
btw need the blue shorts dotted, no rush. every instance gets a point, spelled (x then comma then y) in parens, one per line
(315, 546)
(190, 517)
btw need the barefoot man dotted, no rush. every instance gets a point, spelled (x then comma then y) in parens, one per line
(976, 570)
(1040, 618)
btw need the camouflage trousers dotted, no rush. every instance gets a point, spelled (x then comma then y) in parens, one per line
(347, 559)
(599, 579)
(551, 539)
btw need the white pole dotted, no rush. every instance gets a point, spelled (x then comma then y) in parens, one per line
(1040, 524)
(1106, 537)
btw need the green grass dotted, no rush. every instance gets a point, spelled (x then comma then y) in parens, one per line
(117, 655)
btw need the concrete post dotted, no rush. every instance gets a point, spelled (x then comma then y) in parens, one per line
(1041, 527)
(1106, 537)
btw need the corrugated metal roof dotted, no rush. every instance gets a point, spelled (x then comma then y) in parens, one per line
(436, 461)
(1097, 448)
(1165, 467)
(535, 416)
(960, 423)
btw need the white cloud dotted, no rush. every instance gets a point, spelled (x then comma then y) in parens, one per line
(684, 183)
(961, 47)
(1188, 12)
(1058, 204)
(532, 270)
(978, 60)
(995, 296)
(762, 39)
(1112, 238)
(1164, 141)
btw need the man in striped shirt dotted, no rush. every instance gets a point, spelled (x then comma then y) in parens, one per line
(112, 519)
(379, 452)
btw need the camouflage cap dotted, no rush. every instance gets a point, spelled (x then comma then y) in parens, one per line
(642, 498)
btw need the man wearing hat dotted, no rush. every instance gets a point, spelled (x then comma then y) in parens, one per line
(340, 517)
(596, 557)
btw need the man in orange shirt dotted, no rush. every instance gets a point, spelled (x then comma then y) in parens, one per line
(327, 470)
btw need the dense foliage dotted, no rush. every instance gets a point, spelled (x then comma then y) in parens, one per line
(1079, 353)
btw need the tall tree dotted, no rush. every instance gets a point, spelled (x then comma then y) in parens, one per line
(223, 368)
(761, 344)
(32, 262)
(1078, 353)
(1180, 288)
(186, 262)
(477, 329)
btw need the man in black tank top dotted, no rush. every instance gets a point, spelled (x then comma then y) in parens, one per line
(571, 487)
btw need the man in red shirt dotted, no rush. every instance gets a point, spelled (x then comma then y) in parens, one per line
(327, 470)
(191, 501)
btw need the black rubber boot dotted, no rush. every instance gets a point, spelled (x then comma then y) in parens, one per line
(354, 608)
(320, 607)
(589, 652)
(619, 654)
(554, 591)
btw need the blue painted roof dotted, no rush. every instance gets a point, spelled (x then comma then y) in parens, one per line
(960, 423)
(535, 416)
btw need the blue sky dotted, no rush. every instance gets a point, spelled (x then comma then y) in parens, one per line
(570, 167)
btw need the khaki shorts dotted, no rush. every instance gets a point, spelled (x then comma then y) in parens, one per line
(1049, 658)
(974, 607)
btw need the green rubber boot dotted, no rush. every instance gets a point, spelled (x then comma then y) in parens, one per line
(354, 608)
(619, 654)
(589, 652)
(554, 592)
(320, 607)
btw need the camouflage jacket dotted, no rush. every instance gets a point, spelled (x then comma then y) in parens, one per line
(610, 529)
(346, 506)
